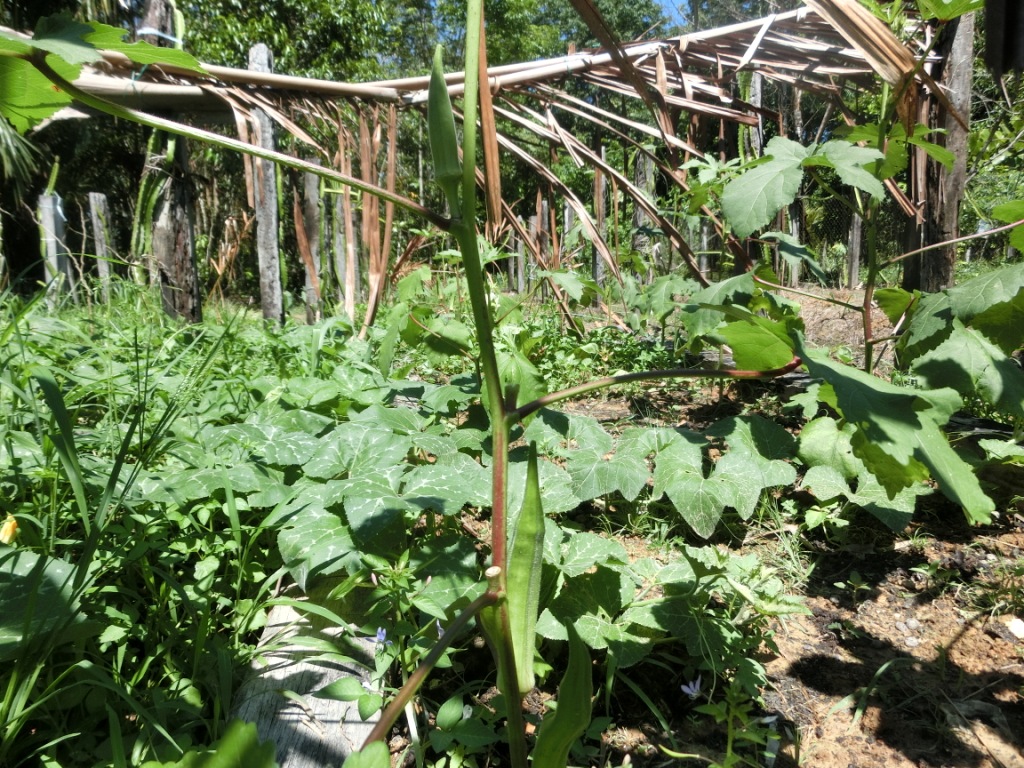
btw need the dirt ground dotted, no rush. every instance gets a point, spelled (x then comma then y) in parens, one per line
(917, 665)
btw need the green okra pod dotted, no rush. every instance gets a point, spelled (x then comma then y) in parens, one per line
(444, 143)
(525, 556)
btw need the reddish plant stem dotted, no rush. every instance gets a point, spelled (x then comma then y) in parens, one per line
(624, 378)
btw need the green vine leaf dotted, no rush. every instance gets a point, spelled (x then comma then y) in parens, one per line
(679, 474)
(596, 475)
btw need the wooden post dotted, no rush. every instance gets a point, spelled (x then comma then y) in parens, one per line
(265, 184)
(597, 265)
(308, 732)
(99, 215)
(56, 263)
(307, 229)
(521, 284)
(853, 252)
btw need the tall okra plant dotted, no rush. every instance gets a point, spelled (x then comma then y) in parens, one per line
(508, 609)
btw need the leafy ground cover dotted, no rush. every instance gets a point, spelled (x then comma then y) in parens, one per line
(168, 483)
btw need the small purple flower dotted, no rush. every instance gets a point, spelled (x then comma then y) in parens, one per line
(692, 689)
(382, 637)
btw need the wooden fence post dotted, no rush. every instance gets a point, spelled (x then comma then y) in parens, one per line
(597, 265)
(99, 215)
(56, 263)
(265, 184)
(307, 231)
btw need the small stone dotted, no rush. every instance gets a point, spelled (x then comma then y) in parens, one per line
(912, 642)
(913, 625)
(901, 626)
(1016, 626)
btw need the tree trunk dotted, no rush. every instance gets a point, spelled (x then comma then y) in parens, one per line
(933, 270)
(172, 243)
(265, 183)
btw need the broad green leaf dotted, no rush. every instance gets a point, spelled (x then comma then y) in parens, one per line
(936, 152)
(345, 689)
(65, 38)
(595, 475)
(895, 511)
(752, 199)
(578, 289)
(1003, 323)
(448, 564)
(825, 483)
(376, 514)
(373, 755)
(757, 434)
(757, 343)
(849, 162)
(446, 337)
(401, 421)
(37, 603)
(27, 97)
(449, 714)
(898, 433)
(679, 474)
(978, 294)
(556, 488)
(700, 319)
(369, 704)
(599, 591)
(1009, 213)
(971, 364)
(474, 733)
(112, 39)
(823, 444)
(316, 542)
(354, 448)
(744, 474)
(284, 448)
(944, 10)
(930, 323)
(14, 45)
(1003, 450)
(517, 370)
(448, 485)
(582, 551)
(562, 434)
(894, 302)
